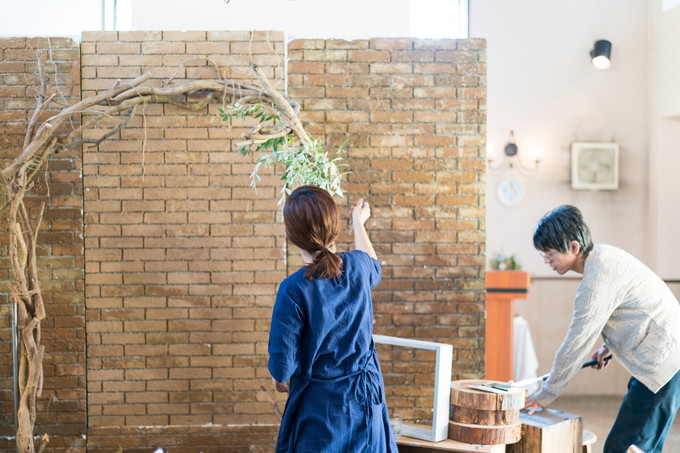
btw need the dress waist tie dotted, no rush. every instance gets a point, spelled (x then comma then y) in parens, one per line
(366, 391)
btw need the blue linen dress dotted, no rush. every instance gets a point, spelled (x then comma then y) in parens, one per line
(321, 339)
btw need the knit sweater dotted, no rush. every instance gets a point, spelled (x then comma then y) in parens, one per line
(634, 311)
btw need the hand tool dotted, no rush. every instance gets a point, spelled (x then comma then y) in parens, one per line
(500, 387)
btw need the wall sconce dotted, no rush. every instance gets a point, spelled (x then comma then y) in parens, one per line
(601, 54)
(511, 159)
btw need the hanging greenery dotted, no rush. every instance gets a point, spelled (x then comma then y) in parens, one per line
(279, 138)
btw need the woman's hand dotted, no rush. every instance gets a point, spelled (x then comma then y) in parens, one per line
(280, 387)
(361, 212)
(531, 404)
(599, 355)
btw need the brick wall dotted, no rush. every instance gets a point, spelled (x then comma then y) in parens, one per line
(414, 114)
(61, 409)
(182, 257)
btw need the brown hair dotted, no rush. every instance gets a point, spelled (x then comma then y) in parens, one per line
(312, 223)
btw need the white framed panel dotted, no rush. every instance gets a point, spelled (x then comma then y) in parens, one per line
(442, 386)
(594, 166)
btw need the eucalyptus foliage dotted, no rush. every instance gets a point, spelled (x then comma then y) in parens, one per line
(306, 162)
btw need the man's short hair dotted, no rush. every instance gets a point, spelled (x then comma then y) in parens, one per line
(559, 227)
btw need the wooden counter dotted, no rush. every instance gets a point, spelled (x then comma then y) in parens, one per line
(411, 445)
(502, 288)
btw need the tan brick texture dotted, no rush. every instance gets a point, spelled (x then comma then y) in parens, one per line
(181, 259)
(413, 112)
(177, 245)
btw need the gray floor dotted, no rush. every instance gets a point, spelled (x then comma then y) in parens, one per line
(598, 414)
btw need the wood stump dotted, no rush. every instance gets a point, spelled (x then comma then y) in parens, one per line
(485, 435)
(481, 417)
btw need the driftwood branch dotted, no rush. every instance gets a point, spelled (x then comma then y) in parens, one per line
(286, 110)
(42, 139)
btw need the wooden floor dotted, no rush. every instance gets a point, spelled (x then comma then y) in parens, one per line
(598, 414)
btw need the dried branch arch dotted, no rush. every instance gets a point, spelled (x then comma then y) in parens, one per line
(42, 140)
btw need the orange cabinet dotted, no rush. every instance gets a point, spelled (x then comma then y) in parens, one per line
(502, 288)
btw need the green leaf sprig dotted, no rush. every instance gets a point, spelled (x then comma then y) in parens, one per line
(305, 162)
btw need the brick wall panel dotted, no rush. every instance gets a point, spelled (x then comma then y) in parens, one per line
(176, 224)
(421, 120)
(183, 260)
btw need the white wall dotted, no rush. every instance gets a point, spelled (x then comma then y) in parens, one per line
(347, 19)
(542, 85)
(49, 18)
(297, 18)
(664, 135)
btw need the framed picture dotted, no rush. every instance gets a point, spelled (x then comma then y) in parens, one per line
(443, 365)
(594, 166)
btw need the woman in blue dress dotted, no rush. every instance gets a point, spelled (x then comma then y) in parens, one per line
(321, 336)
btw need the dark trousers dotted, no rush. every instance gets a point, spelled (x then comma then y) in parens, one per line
(645, 418)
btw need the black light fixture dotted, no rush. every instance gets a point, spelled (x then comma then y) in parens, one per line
(601, 54)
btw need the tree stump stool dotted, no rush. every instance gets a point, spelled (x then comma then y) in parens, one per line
(484, 417)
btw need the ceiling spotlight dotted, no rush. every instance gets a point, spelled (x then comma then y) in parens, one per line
(601, 54)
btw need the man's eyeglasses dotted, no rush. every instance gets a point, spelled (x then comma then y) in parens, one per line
(547, 257)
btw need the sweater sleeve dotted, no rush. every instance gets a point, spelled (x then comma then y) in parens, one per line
(592, 309)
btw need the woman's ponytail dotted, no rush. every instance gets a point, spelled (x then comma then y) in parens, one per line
(326, 265)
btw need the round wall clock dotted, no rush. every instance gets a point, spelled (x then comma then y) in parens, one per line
(510, 192)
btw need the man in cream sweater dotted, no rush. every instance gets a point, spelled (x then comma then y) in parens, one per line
(638, 317)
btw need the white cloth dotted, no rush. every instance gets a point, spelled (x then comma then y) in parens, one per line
(525, 362)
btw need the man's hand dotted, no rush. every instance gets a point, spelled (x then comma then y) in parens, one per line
(280, 387)
(599, 355)
(531, 404)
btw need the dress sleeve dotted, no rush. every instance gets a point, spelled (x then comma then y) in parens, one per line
(371, 266)
(592, 309)
(376, 271)
(284, 335)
